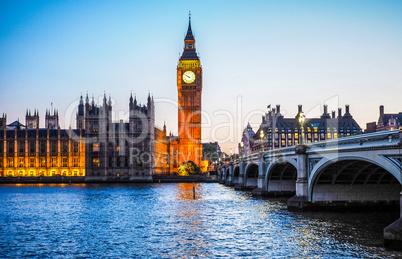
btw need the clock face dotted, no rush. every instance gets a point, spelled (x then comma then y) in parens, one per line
(188, 77)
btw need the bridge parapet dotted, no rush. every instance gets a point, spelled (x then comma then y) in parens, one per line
(376, 140)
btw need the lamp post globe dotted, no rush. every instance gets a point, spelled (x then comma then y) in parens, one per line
(302, 118)
(262, 138)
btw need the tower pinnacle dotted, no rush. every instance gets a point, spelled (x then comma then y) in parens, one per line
(189, 44)
(189, 35)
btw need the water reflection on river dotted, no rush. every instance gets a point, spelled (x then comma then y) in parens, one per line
(164, 221)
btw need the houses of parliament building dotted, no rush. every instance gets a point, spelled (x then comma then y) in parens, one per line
(99, 149)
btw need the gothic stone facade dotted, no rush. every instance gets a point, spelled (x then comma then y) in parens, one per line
(28, 151)
(98, 149)
(123, 150)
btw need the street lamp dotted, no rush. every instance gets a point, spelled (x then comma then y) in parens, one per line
(241, 148)
(231, 154)
(262, 138)
(302, 118)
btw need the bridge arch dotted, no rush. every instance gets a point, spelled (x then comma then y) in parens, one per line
(226, 174)
(251, 175)
(236, 175)
(353, 179)
(281, 176)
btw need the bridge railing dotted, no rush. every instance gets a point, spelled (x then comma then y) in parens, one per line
(376, 139)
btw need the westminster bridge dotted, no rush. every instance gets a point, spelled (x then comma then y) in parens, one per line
(357, 171)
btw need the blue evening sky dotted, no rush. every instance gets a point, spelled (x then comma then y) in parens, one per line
(253, 53)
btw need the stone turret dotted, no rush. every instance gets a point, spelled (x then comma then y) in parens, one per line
(81, 114)
(32, 120)
(3, 122)
(52, 120)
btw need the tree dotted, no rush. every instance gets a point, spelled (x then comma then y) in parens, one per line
(188, 168)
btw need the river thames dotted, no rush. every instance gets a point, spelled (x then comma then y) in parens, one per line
(164, 221)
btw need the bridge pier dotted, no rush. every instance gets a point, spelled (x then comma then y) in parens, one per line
(229, 180)
(240, 184)
(393, 233)
(300, 202)
(221, 175)
(259, 191)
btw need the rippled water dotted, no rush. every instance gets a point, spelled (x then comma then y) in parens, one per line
(163, 221)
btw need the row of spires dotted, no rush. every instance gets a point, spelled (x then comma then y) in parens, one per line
(93, 100)
(277, 111)
(36, 113)
(110, 99)
(48, 112)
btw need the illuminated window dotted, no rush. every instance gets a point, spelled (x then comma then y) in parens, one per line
(328, 135)
(335, 135)
(21, 162)
(43, 162)
(64, 161)
(32, 162)
(95, 147)
(96, 162)
(54, 162)
(117, 148)
(75, 162)
(296, 135)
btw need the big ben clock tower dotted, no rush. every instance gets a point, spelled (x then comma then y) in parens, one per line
(189, 87)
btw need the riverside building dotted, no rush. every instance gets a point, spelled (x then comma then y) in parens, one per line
(276, 131)
(30, 151)
(386, 121)
(99, 149)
